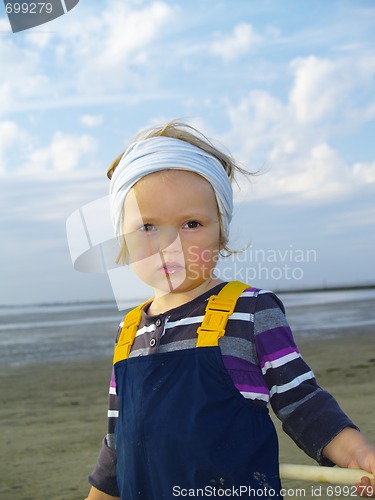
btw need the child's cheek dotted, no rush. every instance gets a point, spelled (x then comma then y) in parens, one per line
(146, 266)
(140, 250)
(201, 259)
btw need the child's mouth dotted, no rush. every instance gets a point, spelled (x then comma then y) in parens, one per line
(171, 268)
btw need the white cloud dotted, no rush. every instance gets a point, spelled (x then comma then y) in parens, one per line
(253, 122)
(369, 112)
(91, 121)
(109, 51)
(131, 31)
(290, 142)
(364, 172)
(40, 39)
(12, 140)
(318, 89)
(22, 77)
(8, 139)
(322, 87)
(64, 154)
(318, 174)
(238, 43)
(309, 176)
(46, 198)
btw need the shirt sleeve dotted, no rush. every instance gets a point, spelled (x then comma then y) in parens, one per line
(309, 414)
(103, 477)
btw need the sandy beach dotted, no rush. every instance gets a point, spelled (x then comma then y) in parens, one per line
(53, 417)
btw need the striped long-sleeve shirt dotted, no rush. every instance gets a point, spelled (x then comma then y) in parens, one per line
(261, 357)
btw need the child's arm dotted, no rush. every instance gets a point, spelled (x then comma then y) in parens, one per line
(99, 495)
(351, 449)
(310, 415)
(103, 477)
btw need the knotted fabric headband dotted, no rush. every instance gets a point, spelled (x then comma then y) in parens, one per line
(164, 153)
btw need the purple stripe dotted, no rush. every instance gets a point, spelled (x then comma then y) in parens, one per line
(274, 340)
(246, 376)
(112, 383)
(250, 388)
(234, 363)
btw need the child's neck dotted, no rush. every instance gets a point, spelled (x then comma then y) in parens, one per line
(165, 302)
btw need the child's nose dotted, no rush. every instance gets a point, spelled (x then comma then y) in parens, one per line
(169, 240)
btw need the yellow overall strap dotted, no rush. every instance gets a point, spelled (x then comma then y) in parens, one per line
(128, 333)
(218, 310)
(215, 319)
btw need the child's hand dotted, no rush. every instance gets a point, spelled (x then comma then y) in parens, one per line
(352, 450)
(99, 495)
(364, 458)
(366, 488)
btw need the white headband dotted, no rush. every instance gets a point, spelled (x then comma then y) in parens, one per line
(164, 153)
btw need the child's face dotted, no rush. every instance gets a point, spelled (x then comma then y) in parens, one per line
(172, 230)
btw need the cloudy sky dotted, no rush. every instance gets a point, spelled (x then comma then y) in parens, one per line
(286, 86)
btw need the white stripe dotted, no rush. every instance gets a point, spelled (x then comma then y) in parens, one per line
(242, 316)
(292, 384)
(255, 395)
(238, 316)
(146, 329)
(112, 413)
(249, 294)
(185, 321)
(280, 361)
(112, 390)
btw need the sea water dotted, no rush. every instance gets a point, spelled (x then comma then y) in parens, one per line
(60, 332)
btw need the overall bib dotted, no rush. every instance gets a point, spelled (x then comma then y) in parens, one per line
(184, 429)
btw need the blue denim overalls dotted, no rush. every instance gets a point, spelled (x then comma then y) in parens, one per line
(184, 429)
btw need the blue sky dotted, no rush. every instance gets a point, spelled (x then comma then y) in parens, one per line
(287, 86)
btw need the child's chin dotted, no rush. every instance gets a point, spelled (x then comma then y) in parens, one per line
(168, 283)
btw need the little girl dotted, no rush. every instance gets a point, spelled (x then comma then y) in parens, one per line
(196, 365)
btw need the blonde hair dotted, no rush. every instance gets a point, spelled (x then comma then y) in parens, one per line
(187, 133)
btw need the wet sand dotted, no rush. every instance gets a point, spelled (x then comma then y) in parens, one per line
(53, 417)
